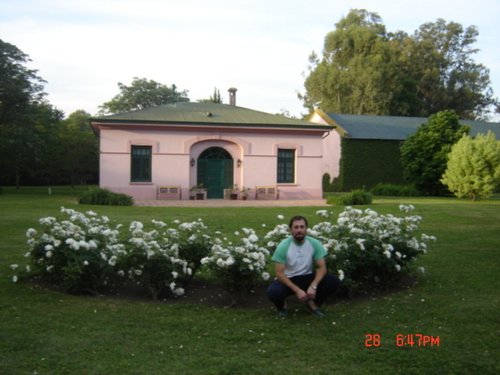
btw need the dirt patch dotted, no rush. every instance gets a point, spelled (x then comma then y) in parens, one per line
(215, 295)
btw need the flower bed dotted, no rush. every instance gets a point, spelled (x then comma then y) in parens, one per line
(83, 252)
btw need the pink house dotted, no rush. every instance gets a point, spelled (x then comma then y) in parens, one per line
(213, 151)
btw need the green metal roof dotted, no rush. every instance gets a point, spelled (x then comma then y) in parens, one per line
(396, 127)
(206, 114)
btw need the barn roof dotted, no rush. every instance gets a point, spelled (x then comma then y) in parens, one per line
(393, 127)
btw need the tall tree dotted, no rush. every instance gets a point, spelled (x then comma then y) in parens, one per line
(142, 93)
(366, 70)
(19, 86)
(473, 168)
(78, 148)
(214, 98)
(22, 110)
(450, 78)
(424, 153)
(354, 69)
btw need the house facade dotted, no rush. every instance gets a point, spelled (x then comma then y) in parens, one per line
(174, 151)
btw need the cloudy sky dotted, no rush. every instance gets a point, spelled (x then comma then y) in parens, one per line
(83, 48)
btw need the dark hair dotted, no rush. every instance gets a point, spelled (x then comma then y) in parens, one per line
(297, 218)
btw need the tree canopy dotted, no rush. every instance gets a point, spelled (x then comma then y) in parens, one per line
(424, 154)
(366, 70)
(214, 98)
(19, 86)
(142, 93)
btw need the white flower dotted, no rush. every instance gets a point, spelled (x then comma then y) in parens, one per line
(178, 291)
(14, 279)
(112, 261)
(85, 263)
(323, 213)
(48, 254)
(359, 242)
(341, 275)
(421, 269)
(14, 266)
(253, 238)
(280, 217)
(398, 267)
(31, 232)
(265, 276)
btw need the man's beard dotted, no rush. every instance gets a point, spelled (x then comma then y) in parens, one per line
(299, 237)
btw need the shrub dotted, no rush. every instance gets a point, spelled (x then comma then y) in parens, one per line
(193, 244)
(364, 247)
(76, 253)
(238, 266)
(84, 254)
(368, 248)
(152, 260)
(395, 190)
(105, 197)
(355, 197)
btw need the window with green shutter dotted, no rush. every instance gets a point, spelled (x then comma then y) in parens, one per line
(286, 166)
(140, 164)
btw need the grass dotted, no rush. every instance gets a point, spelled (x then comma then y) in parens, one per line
(457, 300)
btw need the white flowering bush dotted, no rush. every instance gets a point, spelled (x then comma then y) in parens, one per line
(83, 253)
(239, 266)
(77, 252)
(193, 243)
(152, 260)
(365, 247)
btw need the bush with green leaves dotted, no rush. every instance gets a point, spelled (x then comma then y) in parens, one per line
(364, 247)
(77, 253)
(393, 190)
(473, 168)
(238, 266)
(83, 253)
(105, 197)
(353, 198)
(193, 243)
(152, 260)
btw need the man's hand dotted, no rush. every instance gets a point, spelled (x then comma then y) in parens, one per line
(311, 293)
(302, 296)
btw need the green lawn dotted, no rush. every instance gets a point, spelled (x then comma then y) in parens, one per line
(456, 301)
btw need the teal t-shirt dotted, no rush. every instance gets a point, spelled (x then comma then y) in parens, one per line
(298, 258)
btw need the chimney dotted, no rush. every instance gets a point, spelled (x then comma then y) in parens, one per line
(232, 96)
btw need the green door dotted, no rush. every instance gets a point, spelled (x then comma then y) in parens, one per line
(215, 171)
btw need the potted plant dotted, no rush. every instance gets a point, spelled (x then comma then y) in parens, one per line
(198, 192)
(244, 193)
(234, 192)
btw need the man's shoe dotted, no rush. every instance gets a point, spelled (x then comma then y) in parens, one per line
(316, 311)
(283, 313)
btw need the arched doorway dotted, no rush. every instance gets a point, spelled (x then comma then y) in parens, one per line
(215, 171)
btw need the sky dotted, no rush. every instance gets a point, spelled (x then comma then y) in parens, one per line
(83, 48)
